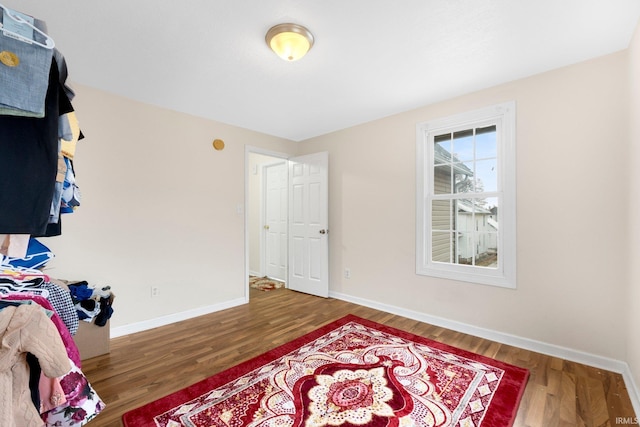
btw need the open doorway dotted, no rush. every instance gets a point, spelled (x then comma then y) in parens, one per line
(300, 245)
(266, 216)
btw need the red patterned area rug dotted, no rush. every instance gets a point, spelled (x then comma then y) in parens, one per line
(352, 372)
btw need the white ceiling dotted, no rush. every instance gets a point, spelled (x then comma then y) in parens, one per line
(371, 58)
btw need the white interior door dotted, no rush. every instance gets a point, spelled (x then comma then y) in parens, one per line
(275, 220)
(309, 224)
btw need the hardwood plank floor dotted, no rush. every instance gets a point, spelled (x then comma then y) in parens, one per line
(146, 366)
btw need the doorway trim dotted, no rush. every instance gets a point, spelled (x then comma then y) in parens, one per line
(248, 150)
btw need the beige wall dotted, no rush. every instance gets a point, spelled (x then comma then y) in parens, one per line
(159, 207)
(571, 149)
(633, 238)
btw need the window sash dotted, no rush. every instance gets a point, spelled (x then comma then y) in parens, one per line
(437, 237)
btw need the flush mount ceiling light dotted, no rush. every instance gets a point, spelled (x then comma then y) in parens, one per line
(289, 41)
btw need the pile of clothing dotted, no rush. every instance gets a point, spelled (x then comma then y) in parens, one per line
(92, 305)
(41, 381)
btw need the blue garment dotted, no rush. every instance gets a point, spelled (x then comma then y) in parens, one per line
(23, 86)
(37, 256)
(70, 198)
(80, 291)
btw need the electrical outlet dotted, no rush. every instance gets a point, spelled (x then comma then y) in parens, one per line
(155, 291)
(347, 273)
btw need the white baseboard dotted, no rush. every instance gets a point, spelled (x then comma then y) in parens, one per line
(173, 318)
(577, 356)
(632, 388)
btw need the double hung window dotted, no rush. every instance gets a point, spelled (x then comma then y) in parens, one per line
(466, 220)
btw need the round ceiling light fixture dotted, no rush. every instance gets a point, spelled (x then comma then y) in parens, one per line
(289, 41)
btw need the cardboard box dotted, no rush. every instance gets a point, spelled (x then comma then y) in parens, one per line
(92, 340)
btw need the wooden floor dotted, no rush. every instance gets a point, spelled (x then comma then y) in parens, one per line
(145, 366)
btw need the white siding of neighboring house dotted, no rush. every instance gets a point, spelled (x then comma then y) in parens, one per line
(482, 222)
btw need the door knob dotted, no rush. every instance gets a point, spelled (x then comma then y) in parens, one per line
(324, 231)
(266, 227)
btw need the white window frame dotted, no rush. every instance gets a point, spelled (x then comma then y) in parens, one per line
(504, 117)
